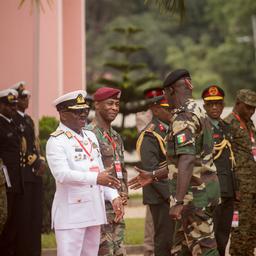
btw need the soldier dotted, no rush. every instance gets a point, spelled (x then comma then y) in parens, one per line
(74, 159)
(3, 198)
(224, 160)
(151, 146)
(194, 184)
(10, 153)
(106, 103)
(243, 238)
(33, 168)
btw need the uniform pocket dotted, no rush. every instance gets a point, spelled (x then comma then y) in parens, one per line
(106, 150)
(80, 208)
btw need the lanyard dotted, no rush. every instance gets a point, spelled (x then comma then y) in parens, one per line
(243, 126)
(89, 154)
(112, 142)
(110, 139)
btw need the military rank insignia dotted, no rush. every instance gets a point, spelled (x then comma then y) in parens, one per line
(94, 145)
(181, 138)
(161, 127)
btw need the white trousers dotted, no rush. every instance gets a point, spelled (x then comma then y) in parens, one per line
(78, 241)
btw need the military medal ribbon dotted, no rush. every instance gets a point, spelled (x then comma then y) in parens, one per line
(85, 150)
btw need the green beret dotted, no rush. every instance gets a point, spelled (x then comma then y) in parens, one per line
(247, 96)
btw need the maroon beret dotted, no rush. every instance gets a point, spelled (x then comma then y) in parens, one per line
(104, 93)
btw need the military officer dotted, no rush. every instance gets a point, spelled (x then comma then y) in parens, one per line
(3, 198)
(151, 146)
(224, 160)
(10, 153)
(243, 238)
(75, 161)
(33, 168)
(194, 184)
(106, 103)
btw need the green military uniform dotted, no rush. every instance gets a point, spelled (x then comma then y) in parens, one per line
(111, 148)
(243, 238)
(3, 199)
(225, 164)
(151, 146)
(191, 134)
(224, 161)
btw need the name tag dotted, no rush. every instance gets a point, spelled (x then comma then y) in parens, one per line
(118, 168)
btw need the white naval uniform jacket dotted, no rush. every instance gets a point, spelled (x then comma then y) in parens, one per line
(78, 200)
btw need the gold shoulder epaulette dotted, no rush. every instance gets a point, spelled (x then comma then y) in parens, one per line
(69, 134)
(150, 128)
(56, 133)
(161, 141)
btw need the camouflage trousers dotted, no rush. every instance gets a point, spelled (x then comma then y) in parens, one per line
(243, 237)
(194, 234)
(3, 206)
(112, 235)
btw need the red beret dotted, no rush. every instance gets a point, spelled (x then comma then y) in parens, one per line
(104, 93)
(156, 96)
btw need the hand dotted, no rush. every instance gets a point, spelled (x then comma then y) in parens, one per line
(105, 179)
(124, 197)
(118, 209)
(144, 178)
(237, 196)
(42, 169)
(175, 212)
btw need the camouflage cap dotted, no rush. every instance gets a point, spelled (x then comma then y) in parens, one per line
(247, 96)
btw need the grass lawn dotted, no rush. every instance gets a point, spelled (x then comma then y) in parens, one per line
(134, 233)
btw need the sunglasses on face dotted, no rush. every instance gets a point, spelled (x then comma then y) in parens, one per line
(80, 111)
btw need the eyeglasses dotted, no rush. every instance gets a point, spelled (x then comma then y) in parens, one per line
(78, 112)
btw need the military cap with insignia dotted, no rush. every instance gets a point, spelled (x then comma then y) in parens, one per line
(174, 76)
(247, 96)
(105, 93)
(8, 96)
(213, 92)
(20, 88)
(156, 96)
(72, 100)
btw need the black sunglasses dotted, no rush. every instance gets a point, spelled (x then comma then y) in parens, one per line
(78, 112)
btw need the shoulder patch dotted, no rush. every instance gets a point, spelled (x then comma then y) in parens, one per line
(56, 133)
(69, 134)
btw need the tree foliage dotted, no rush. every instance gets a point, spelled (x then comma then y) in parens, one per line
(214, 41)
(125, 71)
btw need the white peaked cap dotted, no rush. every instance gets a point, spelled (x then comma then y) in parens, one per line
(26, 92)
(18, 84)
(69, 96)
(6, 92)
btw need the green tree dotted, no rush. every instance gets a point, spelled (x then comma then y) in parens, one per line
(125, 71)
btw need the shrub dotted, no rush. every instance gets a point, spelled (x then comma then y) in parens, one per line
(46, 126)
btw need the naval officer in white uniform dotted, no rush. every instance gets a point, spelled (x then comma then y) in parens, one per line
(82, 184)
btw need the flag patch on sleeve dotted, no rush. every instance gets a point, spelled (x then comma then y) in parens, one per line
(181, 138)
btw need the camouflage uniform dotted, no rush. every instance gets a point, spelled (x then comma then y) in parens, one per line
(191, 134)
(112, 234)
(3, 199)
(243, 238)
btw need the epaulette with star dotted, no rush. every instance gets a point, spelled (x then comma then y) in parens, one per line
(56, 133)
(69, 134)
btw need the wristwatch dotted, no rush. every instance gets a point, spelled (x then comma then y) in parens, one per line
(154, 176)
(178, 202)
